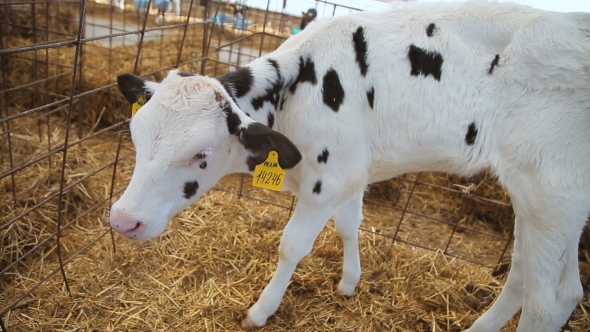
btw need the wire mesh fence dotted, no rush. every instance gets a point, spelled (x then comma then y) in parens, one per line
(64, 135)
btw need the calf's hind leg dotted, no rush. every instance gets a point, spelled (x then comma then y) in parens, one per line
(510, 299)
(551, 222)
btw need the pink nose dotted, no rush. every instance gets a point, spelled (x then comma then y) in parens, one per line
(125, 224)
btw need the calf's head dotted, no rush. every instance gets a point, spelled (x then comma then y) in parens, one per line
(187, 136)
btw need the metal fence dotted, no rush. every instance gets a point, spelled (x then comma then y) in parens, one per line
(58, 96)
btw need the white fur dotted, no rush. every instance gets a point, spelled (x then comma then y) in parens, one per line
(532, 115)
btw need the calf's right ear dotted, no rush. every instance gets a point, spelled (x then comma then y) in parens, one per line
(259, 141)
(133, 87)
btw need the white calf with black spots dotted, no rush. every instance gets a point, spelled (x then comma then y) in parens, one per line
(451, 87)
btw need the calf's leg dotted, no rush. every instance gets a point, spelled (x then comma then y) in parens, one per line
(510, 299)
(550, 222)
(347, 220)
(308, 220)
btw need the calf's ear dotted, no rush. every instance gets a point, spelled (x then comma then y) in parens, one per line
(259, 140)
(132, 87)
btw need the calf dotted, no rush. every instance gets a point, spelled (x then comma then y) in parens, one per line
(308, 17)
(451, 87)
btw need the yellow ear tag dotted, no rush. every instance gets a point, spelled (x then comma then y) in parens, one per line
(269, 174)
(137, 105)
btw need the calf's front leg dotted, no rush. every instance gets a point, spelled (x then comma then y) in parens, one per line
(347, 220)
(297, 240)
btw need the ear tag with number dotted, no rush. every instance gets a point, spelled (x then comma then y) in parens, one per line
(137, 105)
(269, 174)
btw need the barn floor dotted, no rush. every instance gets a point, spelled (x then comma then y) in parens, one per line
(214, 259)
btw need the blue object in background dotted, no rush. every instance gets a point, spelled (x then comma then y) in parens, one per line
(141, 4)
(242, 24)
(162, 4)
(295, 30)
(223, 18)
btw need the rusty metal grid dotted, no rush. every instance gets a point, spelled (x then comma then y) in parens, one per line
(42, 108)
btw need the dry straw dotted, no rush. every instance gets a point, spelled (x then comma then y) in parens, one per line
(214, 259)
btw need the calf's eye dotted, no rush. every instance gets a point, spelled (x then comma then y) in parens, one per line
(200, 155)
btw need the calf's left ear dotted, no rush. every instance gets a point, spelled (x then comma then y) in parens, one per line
(259, 140)
(133, 87)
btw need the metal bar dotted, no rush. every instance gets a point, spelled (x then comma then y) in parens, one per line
(237, 40)
(5, 75)
(66, 139)
(335, 4)
(142, 35)
(264, 28)
(22, 49)
(508, 241)
(401, 218)
(188, 18)
(456, 224)
(205, 48)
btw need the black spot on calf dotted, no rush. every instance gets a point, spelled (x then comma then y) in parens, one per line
(323, 157)
(360, 48)
(185, 74)
(258, 102)
(218, 97)
(494, 64)
(233, 120)
(271, 120)
(272, 95)
(306, 73)
(332, 91)
(317, 189)
(241, 80)
(430, 29)
(190, 189)
(275, 65)
(425, 63)
(273, 92)
(371, 96)
(471, 134)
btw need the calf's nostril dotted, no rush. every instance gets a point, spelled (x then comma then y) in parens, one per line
(128, 227)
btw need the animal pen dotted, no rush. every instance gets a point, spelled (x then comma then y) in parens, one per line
(434, 248)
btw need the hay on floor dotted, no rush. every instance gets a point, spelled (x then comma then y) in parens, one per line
(214, 259)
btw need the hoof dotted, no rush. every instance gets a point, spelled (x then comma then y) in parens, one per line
(248, 324)
(345, 291)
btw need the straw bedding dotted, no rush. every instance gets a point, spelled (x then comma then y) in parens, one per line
(215, 258)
